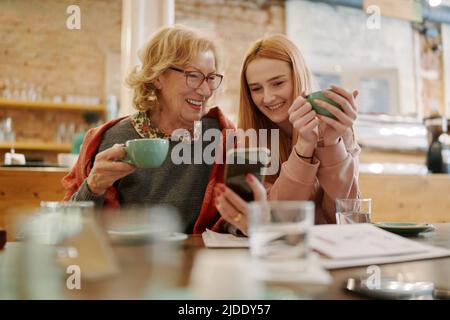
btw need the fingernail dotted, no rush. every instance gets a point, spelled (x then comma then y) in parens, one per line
(217, 191)
(250, 177)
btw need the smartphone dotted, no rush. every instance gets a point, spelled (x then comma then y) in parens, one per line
(240, 162)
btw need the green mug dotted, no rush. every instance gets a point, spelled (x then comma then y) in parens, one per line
(318, 95)
(146, 153)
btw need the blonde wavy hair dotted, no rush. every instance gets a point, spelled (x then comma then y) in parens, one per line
(174, 46)
(277, 47)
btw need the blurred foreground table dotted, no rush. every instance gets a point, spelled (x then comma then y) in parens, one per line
(164, 272)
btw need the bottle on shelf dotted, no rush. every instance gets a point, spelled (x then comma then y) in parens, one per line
(437, 127)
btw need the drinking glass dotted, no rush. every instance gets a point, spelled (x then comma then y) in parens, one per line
(350, 211)
(278, 230)
(57, 220)
(57, 239)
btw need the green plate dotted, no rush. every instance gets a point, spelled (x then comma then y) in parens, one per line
(405, 228)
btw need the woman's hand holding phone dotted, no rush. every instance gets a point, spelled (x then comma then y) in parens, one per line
(232, 207)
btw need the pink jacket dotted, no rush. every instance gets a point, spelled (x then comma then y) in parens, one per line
(333, 174)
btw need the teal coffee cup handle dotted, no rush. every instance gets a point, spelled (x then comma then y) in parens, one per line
(126, 159)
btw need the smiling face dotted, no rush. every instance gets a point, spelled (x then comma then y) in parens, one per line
(180, 103)
(271, 87)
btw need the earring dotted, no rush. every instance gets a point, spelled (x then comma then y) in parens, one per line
(152, 95)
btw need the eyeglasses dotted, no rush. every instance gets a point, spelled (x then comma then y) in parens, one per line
(194, 79)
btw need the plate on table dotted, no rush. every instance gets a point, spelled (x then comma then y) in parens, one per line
(143, 233)
(405, 228)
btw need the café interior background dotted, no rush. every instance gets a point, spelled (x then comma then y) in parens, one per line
(51, 75)
(402, 68)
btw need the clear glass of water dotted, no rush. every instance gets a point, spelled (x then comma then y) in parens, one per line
(278, 230)
(349, 211)
(57, 220)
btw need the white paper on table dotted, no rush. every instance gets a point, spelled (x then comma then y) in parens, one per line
(432, 253)
(213, 239)
(348, 245)
(356, 245)
(335, 241)
(360, 240)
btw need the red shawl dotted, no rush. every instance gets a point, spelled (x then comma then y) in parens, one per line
(208, 216)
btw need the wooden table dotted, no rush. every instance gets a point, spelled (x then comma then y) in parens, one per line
(149, 272)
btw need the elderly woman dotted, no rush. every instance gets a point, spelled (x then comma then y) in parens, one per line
(177, 77)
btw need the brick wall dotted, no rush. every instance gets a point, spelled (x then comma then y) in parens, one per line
(36, 47)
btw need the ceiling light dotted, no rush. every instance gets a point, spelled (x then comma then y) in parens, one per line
(434, 3)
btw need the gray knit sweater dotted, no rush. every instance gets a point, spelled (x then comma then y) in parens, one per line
(181, 186)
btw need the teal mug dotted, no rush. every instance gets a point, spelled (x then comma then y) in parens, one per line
(318, 95)
(146, 153)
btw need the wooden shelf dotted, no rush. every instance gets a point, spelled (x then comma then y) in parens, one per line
(45, 105)
(38, 146)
